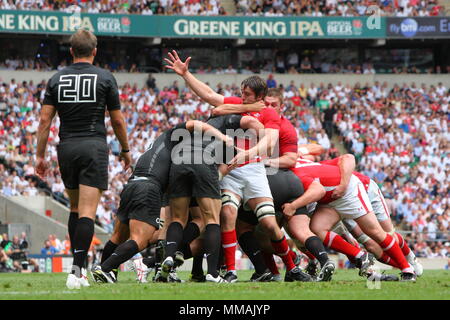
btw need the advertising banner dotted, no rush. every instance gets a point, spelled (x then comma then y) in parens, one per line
(418, 27)
(293, 27)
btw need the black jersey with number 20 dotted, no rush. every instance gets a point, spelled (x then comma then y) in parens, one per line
(80, 93)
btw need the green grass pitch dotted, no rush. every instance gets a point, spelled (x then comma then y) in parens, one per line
(346, 284)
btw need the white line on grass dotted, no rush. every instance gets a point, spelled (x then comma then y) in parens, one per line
(37, 292)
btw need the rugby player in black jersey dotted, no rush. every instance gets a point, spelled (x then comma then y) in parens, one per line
(80, 94)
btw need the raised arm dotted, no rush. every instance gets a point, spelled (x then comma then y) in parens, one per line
(200, 89)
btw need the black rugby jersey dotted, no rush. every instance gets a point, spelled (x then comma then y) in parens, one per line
(80, 93)
(155, 162)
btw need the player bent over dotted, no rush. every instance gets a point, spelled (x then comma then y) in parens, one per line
(141, 199)
(354, 204)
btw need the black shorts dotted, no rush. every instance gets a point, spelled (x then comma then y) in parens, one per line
(194, 180)
(140, 200)
(84, 161)
(247, 216)
(165, 200)
(285, 187)
(250, 217)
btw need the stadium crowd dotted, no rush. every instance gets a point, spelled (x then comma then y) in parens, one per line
(396, 8)
(399, 135)
(268, 8)
(144, 7)
(290, 62)
(14, 251)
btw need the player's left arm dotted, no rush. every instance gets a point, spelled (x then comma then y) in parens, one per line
(237, 108)
(48, 112)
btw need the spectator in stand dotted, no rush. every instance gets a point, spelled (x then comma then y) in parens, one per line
(271, 82)
(48, 249)
(305, 66)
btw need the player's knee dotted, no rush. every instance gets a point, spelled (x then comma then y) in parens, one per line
(228, 213)
(265, 209)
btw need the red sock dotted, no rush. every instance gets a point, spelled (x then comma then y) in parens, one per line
(309, 255)
(229, 242)
(337, 243)
(292, 254)
(270, 262)
(281, 249)
(392, 249)
(387, 260)
(403, 245)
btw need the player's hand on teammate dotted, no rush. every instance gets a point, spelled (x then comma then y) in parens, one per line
(41, 167)
(338, 192)
(126, 157)
(242, 157)
(175, 63)
(288, 210)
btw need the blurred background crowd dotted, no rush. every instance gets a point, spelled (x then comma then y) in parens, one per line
(268, 8)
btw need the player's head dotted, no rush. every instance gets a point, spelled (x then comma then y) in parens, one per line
(274, 99)
(83, 45)
(253, 89)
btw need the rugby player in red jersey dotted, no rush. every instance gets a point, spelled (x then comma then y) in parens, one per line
(382, 214)
(354, 204)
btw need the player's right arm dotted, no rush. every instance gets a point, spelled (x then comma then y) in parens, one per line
(200, 89)
(310, 149)
(314, 191)
(225, 109)
(199, 126)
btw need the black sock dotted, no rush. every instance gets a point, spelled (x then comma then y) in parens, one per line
(159, 253)
(190, 233)
(186, 250)
(81, 243)
(197, 265)
(250, 246)
(149, 262)
(108, 250)
(212, 246)
(174, 237)
(315, 246)
(72, 226)
(220, 261)
(123, 253)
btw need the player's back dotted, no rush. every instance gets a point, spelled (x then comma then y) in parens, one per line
(327, 174)
(80, 93)
(155, 162)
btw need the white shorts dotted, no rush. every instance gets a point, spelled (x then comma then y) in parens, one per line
(248, 182)
(378, 203)
(355, 203)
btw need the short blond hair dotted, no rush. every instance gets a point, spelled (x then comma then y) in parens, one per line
(83, 42)
(276, 93)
